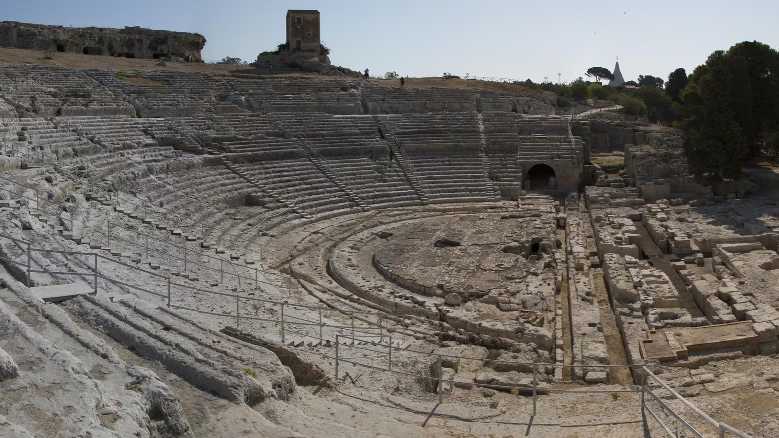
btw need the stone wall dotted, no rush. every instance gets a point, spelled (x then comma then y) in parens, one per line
(658, 166)
(130, 42)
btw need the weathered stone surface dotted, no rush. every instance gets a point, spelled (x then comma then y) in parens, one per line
(453, 299)
(8, 368)
(130, 42)
(596, 377)
(162, 402)
(462, 358)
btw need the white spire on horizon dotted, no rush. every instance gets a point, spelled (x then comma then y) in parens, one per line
(618, 80)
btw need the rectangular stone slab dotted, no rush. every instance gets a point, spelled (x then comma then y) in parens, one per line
(61, 292)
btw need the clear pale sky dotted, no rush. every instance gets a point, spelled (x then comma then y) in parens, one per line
(498, 38)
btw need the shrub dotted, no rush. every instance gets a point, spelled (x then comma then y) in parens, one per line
(579, 90)
(563, 102)
(598, 91)
(631, 106)
(229, 60)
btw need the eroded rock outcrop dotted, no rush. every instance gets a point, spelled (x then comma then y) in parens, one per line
(130, 42)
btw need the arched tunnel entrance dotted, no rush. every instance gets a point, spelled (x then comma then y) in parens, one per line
(541, 177)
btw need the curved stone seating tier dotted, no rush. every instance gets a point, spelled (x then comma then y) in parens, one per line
(506, 169)
(194, 186)
(313, 125)
(299, 183)
(118, 166)
(37, 139)
(167, 105)
(514, 104)
(243, 226)
(380, 183)
(112, 131)
(452, 177)
(456, 131)
(334, 103)
(261, 144)
(392, 100)
(50, 91)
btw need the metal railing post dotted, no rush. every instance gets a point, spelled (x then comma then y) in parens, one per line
(256, 278)
(282, 323)
(644, 424)
(440, 387)
(237, 311)
(381, 334)
(337, 341)
(108, 225)
(535, 388)
(185, 257)
(221, 271)
(169, 291)
(96, 273)
(320, 325)
(29, 263)
(389, 356)
(352, 315)
(147, 245)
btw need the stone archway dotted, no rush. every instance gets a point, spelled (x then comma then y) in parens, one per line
(541, 177)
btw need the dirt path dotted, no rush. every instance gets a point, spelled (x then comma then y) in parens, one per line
(614, 345)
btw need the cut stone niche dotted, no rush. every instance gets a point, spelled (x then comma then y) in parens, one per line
(91, 50)
(446, 243)
(526, 249)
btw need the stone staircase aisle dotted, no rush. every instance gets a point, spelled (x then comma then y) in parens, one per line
(233, 168)
(491, 187)
(320, 163)
(395, 149)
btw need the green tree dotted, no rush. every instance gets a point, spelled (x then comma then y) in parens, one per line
(761, 118)
(599, 91)
(677, 80)
(715, 142)
(631, 106)
(650, 81)
(230, 60)
(599, 73)
(579, 90)
(659, 107)
(731, 109)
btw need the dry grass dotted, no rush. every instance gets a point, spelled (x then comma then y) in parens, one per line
(461, 84)
(78, 61)
(119, 65)
(613, 162)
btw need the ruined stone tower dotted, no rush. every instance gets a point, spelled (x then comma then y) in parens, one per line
(303, 31)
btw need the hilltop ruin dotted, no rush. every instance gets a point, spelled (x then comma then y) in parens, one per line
(129, 42)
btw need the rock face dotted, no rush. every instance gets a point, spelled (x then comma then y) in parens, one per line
(130, 42)
(8, 368)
